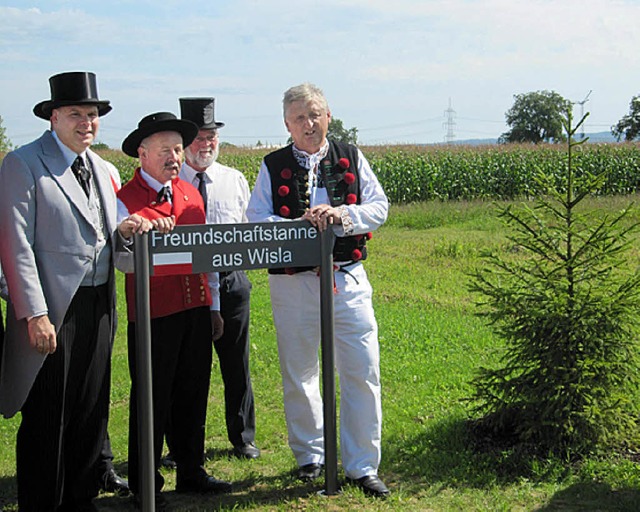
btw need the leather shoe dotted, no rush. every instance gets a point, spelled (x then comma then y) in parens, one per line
(167, 461)
(371, 485)
(204, 484)
(309, 472)
(112, 482)
(246, 451)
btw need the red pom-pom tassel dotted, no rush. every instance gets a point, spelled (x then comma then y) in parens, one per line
(283, 191)
(285, 211)
(352, 199)
(286, 173)
(344, 163)
(349, 178)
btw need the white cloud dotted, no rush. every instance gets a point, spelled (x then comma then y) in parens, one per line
(29, 26)
(381, 63)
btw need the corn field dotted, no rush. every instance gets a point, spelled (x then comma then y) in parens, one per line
(497, 172)
(410, 174)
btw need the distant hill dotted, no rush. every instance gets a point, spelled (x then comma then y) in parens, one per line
(601, 137)
(595, 138)
(475, 142)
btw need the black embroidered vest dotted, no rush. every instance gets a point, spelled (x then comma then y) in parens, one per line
(339, 173)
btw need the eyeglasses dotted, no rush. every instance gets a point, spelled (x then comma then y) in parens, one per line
(206, 138)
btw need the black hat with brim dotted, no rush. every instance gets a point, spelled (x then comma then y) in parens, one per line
(200, 111)
(155, 123)
(73, 88)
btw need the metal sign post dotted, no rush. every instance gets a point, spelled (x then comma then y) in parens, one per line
(225, 247)
(328, 364)
(143, 374)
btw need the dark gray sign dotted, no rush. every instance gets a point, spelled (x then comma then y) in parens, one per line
(224, 247)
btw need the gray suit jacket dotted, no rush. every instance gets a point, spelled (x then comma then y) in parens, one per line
(46, 245)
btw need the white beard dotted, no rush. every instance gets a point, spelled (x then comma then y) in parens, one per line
(202, 161)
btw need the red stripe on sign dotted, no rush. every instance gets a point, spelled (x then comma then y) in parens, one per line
(172, 263)
(171, 270)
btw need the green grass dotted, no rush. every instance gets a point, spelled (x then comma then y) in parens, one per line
(432, 343)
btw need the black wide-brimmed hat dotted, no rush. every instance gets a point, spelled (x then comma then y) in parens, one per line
(200, 111)
(73, 88)
(159, 122)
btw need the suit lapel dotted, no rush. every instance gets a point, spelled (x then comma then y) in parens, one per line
(55, 164)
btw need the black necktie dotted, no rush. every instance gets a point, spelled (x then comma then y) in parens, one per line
(82, 174)
(202, 188)
(164, 194)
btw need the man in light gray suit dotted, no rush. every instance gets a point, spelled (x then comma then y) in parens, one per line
(58, 229)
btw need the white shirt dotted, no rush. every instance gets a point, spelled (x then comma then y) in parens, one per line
(227, 192)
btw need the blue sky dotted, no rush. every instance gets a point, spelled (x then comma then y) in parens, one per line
(388, 68)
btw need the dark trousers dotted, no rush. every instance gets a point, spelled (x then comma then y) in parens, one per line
(105, 461)
(233, 353)
(64, 419)
(181, 352)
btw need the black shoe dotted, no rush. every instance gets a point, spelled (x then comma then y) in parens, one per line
(168, 462)
(160, 500)
(371, 485)
(309, 472)
(112, 482)
(246, 451)
(204, 484)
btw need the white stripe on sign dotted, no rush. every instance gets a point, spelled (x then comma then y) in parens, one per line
(172, 258)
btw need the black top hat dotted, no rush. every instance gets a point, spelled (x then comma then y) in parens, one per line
(74, 88)
(159, 122)
(199, 111)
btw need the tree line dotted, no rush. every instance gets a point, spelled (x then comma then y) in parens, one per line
(538, 117)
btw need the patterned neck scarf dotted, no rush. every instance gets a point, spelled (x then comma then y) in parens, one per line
(311, 161)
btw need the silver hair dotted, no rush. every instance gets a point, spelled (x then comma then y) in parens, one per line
(303, 92)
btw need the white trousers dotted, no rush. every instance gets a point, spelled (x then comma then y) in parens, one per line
(295, 301)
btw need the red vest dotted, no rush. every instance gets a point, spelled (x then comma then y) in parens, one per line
(168, 294)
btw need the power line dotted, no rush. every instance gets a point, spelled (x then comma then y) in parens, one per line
(480, 120)
(449, 124)
(402, 125)
(581, 103)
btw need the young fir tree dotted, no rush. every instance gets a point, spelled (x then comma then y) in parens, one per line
(568, 308)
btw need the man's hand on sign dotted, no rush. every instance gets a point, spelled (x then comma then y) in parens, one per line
(134, 224)
(323, 215)
(164, 224)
